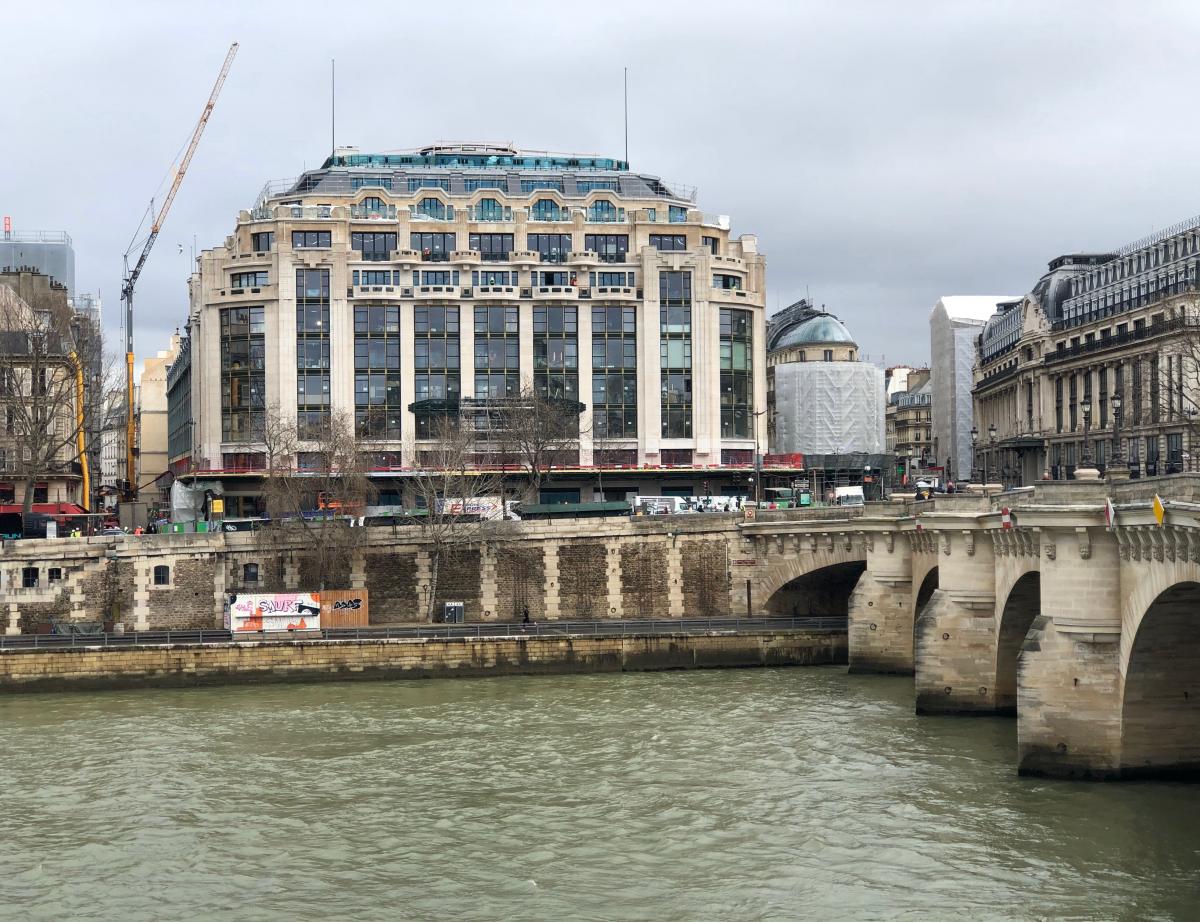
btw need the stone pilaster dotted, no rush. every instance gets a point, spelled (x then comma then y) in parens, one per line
(141, 594)
(425, 581)
(616, 606)
(674, 579)
(489, 589)
(550, 586)
(14, 619)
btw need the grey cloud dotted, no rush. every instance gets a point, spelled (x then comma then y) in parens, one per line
(885, 154)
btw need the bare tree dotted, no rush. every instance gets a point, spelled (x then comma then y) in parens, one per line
(315, 492)
(456, 501)
(539, 432)
(45, 392)
(1175, 397)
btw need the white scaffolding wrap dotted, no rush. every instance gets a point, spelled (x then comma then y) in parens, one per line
(829, 408)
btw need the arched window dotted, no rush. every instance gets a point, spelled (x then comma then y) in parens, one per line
(162, 575)
(546, 209)
(372, 203)
(435, 208)
(602, 212)
(489, 209)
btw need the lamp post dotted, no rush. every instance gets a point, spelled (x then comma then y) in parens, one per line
(992, 459)
(1085, 407)
(1087, 467)
(1118, 469)
(974, 452)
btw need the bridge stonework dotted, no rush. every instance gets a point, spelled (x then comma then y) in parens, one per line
(1089, 634)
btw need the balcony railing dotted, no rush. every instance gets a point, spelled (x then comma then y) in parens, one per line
(1117, 340)
(362, 212)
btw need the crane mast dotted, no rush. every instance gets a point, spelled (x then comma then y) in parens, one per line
(131, 276)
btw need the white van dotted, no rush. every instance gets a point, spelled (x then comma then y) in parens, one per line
(659, 505)
(848, 496)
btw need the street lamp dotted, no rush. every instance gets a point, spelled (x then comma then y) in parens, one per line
(1117, 455)
(974, 442)
(1085, 407)
(992, 459)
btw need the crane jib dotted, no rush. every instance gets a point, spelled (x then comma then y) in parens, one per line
(131, 279)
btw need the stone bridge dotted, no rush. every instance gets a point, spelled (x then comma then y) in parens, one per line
(1088, 634)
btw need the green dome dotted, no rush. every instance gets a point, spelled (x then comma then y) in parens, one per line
(823, 328)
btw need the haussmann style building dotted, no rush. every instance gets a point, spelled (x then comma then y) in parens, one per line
(395, 288)
(1096, 367)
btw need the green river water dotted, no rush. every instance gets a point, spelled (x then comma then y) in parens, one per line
(727, 795)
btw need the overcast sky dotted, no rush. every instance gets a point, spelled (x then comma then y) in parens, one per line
(884, 153)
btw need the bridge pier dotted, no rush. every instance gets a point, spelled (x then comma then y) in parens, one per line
(1068, 704)
(955, 661)
(1069, 686)
(881, 610)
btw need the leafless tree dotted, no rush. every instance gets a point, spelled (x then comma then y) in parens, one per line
(456, 502)
(315, 492)
(1175, 398)
(539, 433)
(48, 382)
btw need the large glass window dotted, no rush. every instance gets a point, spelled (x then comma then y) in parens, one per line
(669, 242)
(539, 185)
(434, 247)
(256, 279)
(312, 353)
(492, 247)
(675, 353)
(737, 379)
(498, 277)
(676, 214)
(584, 186)
(417, 183)
(263, 241)
(611, 279)
(489, 182)
(435, 363)
(243, 373)
(311, 240)
(556, 352)
(553, 248)
(377, 405)
(611, 248)
(727, 282)
(497, 352)
(614, 372)
(372, 246)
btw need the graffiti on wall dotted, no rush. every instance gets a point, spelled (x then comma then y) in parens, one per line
(279, 611)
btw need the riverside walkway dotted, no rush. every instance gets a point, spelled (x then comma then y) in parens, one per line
(476, 630)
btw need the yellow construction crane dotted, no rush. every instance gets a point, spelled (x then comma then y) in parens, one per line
(131, 275)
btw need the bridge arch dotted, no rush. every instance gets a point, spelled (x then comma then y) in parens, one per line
(924, 591)
(1160, 707)
(789, 561)
(1022, 605)
(822, 592)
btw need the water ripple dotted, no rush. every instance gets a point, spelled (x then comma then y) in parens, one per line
(742, 795)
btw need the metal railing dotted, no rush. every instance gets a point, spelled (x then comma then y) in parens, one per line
(479, 630)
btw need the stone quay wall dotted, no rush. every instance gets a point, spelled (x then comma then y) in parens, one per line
(170, 666)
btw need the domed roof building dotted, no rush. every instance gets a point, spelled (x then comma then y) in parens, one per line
(821, 399)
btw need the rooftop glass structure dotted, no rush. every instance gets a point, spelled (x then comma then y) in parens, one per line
(463, 169)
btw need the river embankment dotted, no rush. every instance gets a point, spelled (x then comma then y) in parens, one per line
(266, 661)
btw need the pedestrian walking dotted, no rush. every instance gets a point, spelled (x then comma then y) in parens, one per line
(525, 615)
